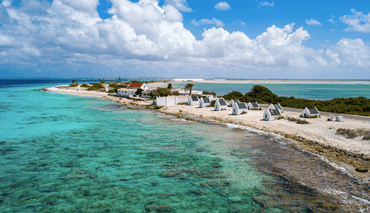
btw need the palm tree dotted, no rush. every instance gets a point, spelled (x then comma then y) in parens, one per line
(189, 86)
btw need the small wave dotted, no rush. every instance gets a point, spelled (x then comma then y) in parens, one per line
(256, 131)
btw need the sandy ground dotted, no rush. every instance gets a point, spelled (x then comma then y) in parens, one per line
(319, 129)
(80, 91)
(283, 81)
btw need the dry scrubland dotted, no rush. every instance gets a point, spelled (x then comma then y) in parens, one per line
(347, 147)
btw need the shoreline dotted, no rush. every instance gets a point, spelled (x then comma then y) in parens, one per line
(317, 138)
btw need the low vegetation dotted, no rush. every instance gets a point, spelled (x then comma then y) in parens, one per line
(353, 133)
(84, 85)
(175, 93)
(355, 106)
(313, 116)
(95, 86)
(73, 85)
(212, 103)
(209, 93)
(298, 121)
(302, 122)
(244, 112)
(163, 92)
(280, 117)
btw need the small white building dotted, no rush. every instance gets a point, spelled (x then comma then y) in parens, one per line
(126, 92)
(232, 102)
(220, 104)
(276, 106)
(253, 105)
(193, 100)
(271, 114)
(310, 112)
(239, 108)
(203, 102)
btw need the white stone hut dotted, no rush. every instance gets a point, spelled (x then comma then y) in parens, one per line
(126, 92)
(253, 105)
(220, 104)
(232, 102)
(203, 102)
(193, 100)
(239, 108)
(310, 112)
(271, 114)
(276, 106)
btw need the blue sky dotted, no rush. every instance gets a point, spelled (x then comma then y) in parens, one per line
(192, 39)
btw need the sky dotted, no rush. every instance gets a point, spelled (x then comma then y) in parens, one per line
(249, 39)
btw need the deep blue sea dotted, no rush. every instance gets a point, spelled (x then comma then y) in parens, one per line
(306, 91)
(63, 153)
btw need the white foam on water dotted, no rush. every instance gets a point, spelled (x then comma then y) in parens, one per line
(259, 132)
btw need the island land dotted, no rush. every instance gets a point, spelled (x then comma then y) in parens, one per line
(256, 81)
(319, 137)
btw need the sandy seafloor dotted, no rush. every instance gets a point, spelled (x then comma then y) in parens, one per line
(276, 156)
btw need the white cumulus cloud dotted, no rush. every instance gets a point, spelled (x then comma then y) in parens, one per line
(263, 4)
(149, 35)
(312, 22)
(222, 6)
(357, 21)
(217, 22)
(179, 4)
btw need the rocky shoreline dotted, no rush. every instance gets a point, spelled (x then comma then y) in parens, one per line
(354, 163)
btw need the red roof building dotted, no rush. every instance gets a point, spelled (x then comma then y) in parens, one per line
(135, 85)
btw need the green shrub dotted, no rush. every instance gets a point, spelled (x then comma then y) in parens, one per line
(175, 93)
(244, 112)
(160, 92)
(212, 103)
(256, 108)
(280, 117)
(84, 85)
(209, 93)
(291, 118)
(234, 95)
(302, 122)
(112, 91)
(347, 132)
(313, 116)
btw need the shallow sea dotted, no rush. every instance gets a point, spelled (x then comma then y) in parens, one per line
(307, 91)
(63, 153)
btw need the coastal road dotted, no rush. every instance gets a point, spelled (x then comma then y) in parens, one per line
(345, 116)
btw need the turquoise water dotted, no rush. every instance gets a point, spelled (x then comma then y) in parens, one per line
(307, 91)
(62, 153)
